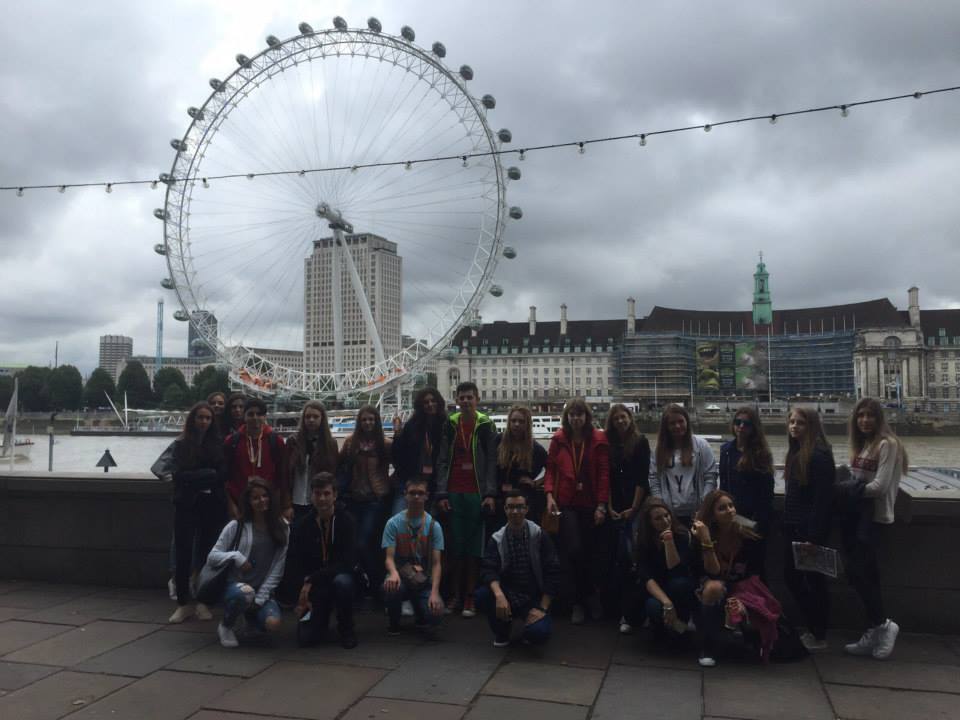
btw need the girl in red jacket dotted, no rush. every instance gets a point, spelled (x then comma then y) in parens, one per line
(577, 484)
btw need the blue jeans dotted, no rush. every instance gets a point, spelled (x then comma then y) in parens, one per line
(535, 633)
(236, 601)
(329, 594)
(680, 591)
(370, 520)
(421, 606)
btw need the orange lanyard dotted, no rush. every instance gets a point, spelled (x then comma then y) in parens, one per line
(577, 459)
(427, 445)
(463, 437)
(325, 539)
(259, 454)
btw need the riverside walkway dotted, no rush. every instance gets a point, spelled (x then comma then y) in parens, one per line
(87, 652)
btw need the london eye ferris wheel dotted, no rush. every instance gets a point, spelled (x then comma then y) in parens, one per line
(306, 211)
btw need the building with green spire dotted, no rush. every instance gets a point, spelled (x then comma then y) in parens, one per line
(762, 307)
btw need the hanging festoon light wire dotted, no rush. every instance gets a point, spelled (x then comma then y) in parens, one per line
(503, 135)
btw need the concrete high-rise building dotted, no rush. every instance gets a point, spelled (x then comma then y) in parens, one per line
(114, 350)
(379, 268)
(197, 347)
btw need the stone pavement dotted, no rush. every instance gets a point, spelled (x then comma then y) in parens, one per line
(88, 652)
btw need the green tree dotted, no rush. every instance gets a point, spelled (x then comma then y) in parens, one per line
(176, 397)
(135, 383)
(167, 377)
(210, 379)
(65, 387)
(34, 388)
(98, 383)
(6, 391)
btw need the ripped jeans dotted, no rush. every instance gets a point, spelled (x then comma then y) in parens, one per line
(239, 598)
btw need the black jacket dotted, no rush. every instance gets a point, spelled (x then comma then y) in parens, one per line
(512, 474)
(542, 551)
(652, 562)
(807, 506)
(407, 450)
(306, 548)
(627, 472)
(752, 491)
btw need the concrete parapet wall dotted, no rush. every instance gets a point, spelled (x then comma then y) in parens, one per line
(115, 530)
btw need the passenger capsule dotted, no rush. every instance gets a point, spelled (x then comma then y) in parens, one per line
(167, 284)
(496, 290)
(273, 40)
(476, 324)
(516, 213)
(178, 145)
(407, 33)
(243, 61)
(160, 213)
(195, 113)
(305, 28)
(374, 24)
(466, 72)
(450, 353)
(217, 85)
(439, 50)
(504, 135)
(181, 315)
(167, 179)
(339, 23)
(513, 172)
(509, 252)
(160, 249)
(489, 102)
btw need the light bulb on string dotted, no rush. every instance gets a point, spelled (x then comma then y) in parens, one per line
(523, 155)
(250, 176)
(582, 149)
(708, 127)
(844, 112)
(153, 184)
(302, 173)
(20, 192)
(408, 166)
(643, 139)
(773, 119)
(465, 163)
(62, 189)
(206, 183)
(108, 188)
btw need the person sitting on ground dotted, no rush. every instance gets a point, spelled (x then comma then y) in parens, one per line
(261, 551)
(663, 588)
(519, 577)
(323, 551)
(413, 543)
(725, 556)
(683, 469)
(253, 451)
(466, 490)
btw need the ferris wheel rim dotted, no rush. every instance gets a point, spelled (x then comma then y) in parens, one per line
(466, 298)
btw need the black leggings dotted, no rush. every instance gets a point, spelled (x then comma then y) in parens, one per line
(200, 519)
(863, 571)
(809, 589)
(579, 541)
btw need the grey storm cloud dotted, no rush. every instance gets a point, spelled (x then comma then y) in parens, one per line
(844, 209)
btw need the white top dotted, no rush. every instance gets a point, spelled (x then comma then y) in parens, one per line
(881, 472)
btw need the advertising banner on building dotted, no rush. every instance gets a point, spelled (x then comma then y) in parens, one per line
(725, 366)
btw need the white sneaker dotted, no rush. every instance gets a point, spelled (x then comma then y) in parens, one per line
(228, 638)
(203, 612)
(707, 661)
(406, 609)
(577, 616)
(172, 589)
(865, 645)
(884, 639)
(625, 627)
(811, 643)
(182, 613)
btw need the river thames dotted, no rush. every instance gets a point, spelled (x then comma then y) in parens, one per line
(136, 454)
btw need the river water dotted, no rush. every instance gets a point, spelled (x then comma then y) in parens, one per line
(136, 454)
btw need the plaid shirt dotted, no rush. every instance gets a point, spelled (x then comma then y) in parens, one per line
(517, 578)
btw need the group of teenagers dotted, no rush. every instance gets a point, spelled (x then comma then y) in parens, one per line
(450, 516)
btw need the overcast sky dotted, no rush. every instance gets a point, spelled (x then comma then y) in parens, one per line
(844, 209)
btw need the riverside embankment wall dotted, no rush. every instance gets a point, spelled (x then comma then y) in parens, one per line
(115, 530)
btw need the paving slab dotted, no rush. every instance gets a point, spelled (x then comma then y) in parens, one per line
(370, 708)
(441, 672)
(379, 653)
(57, 695)
(791, 691)
(663, 694)
(15, 634)
(858, 703)
(82, 643)
(80, 611)
(14, 676)
(890, 674)
(580, 646)
(489, 707)
(158, 611)
(160, 696)
(300, 691)
(9, 613)
(37, 597)
(538, 681)
(221, 715)
(639, 649)
(143, 656)
(216, 660)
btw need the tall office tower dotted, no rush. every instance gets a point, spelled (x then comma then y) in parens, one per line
(201, 320)
(114, 349)
(379, 268)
